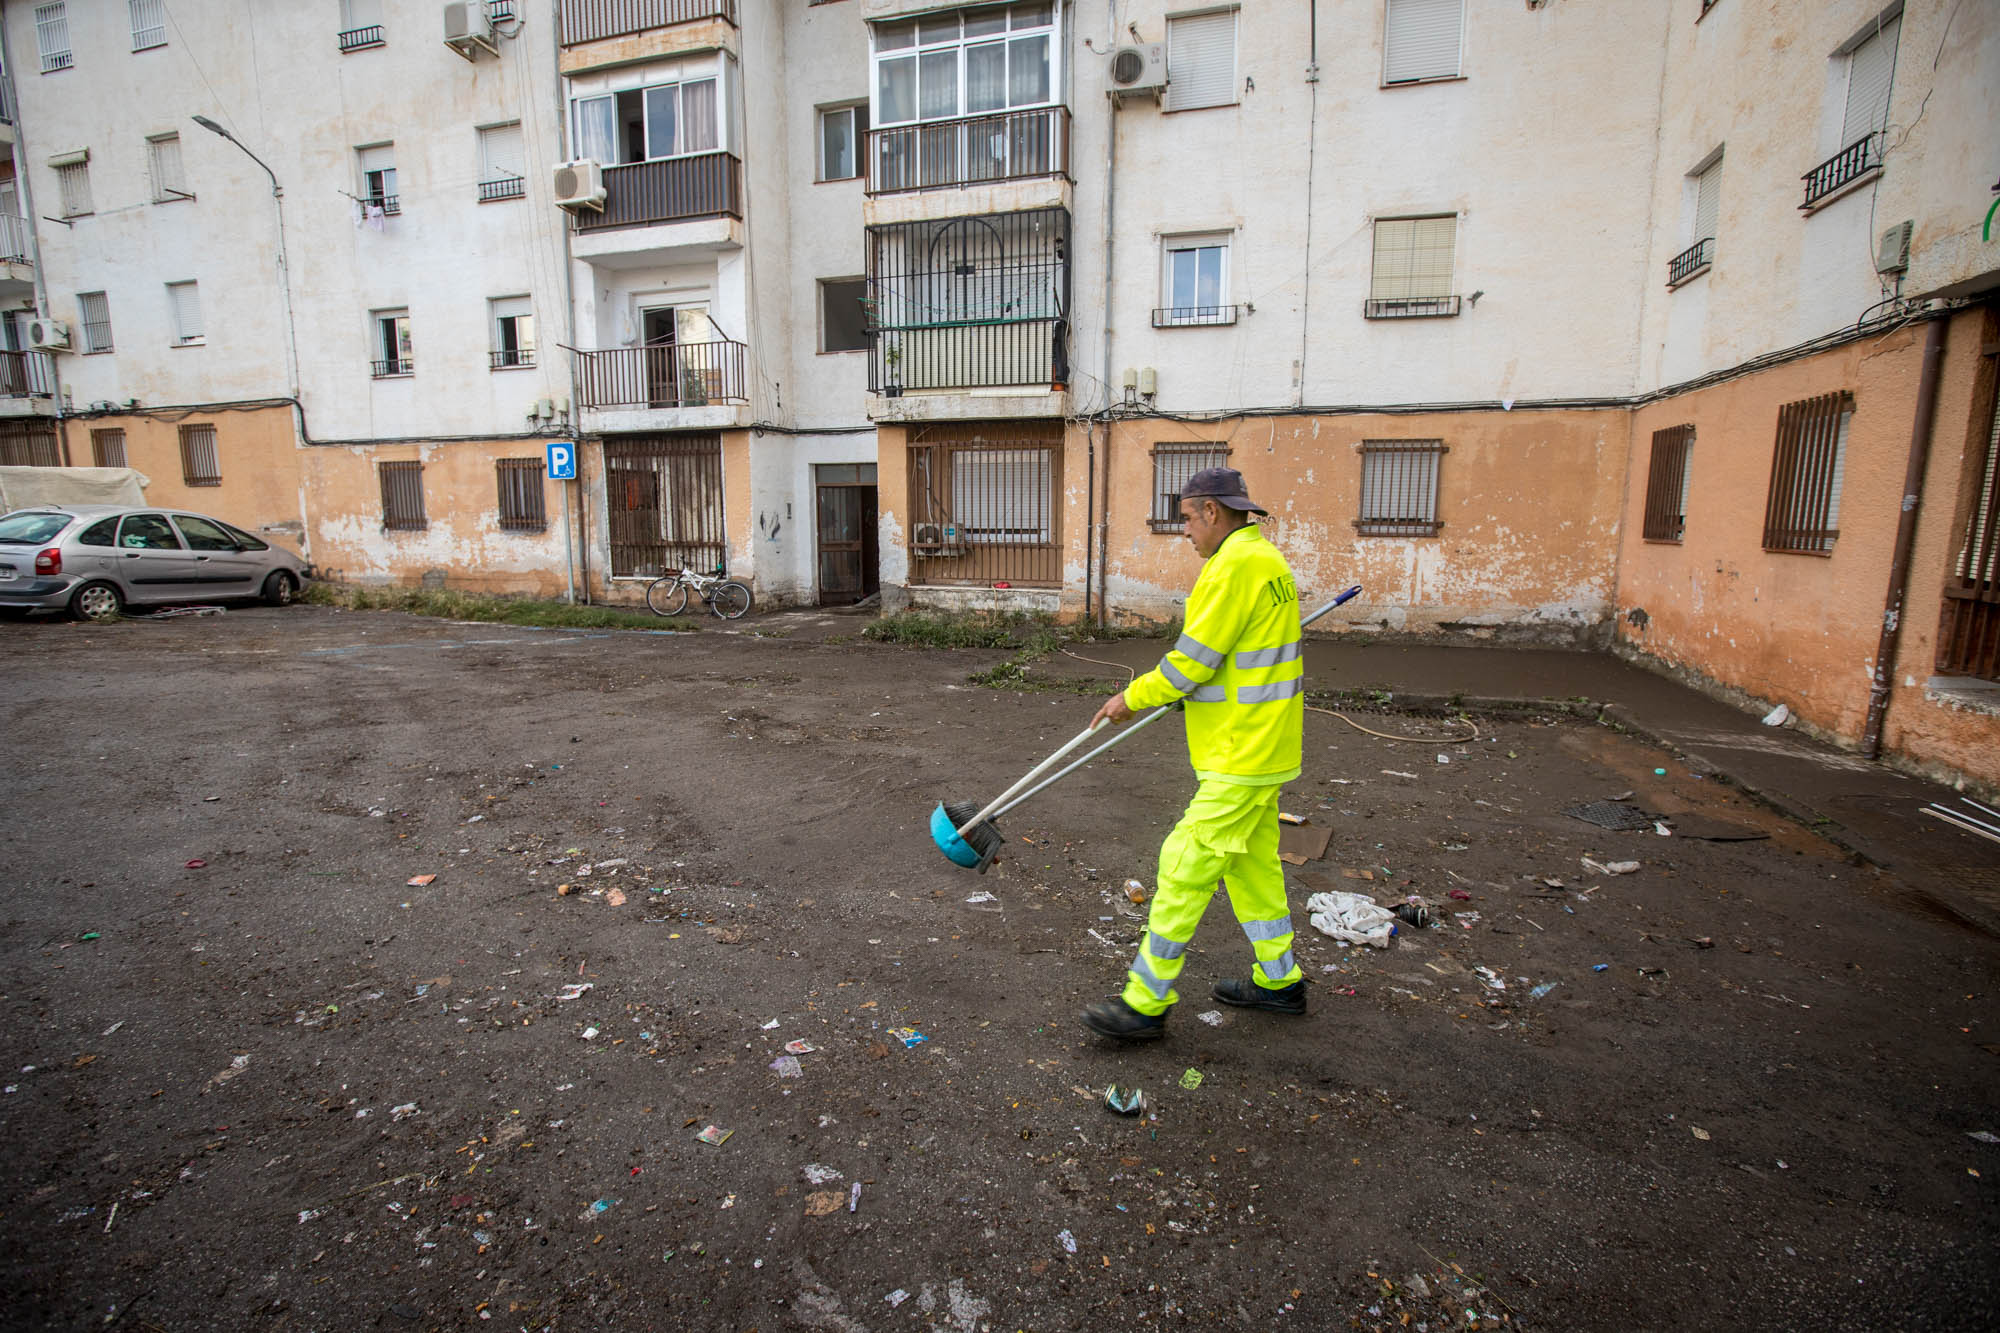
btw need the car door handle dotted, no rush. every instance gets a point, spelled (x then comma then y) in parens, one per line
(201, 557)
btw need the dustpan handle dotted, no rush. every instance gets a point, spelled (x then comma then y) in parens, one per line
(1000, 802)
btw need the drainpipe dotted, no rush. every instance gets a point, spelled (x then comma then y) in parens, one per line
(1110, 236)
(1089, 509)
(1104, 534)
(1906, 534)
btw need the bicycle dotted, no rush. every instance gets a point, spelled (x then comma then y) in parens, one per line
(668, 594)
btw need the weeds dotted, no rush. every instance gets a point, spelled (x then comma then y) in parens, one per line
(923, 630)
(449, 605)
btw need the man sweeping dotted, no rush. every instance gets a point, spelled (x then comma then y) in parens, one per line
(1238, 670)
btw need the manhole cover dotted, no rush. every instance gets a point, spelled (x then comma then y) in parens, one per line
(1612, 815)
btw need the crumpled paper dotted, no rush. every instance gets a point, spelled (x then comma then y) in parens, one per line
(1352, 918)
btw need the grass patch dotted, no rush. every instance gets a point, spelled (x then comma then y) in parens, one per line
(449, 605)
(922, 629)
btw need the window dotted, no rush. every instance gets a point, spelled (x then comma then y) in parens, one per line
(983, 503)
(73, 182)
(96, 311)
(843, 319)
(402, 496)
(1704, 186)
(360, 24)
(841, 131)
(1173, 464)
(203, 534)
(1194, 282)
(104, 532)
(184, 304)
(378, 177)
(503, 163)
(513, 332)
(163, 158)
(1667, 485)
(663, 502)
(200, 463)
(52, 38)
(521, 495)
(1399, 488)
(942, 66)
(1201, 60)
(1871, 70)
(149, 23)
(1413, 267)
(671, 119)
(1969, 637)
(147, 532)
(1421, 40)
(1808, 464)
(107, 449)
(390, 331)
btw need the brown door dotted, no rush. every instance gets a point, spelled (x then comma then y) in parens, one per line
(849, 559)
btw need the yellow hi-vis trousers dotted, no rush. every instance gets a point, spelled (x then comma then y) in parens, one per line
(1228, 832)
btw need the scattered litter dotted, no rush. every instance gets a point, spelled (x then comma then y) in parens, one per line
(800, 1048)
(590, 1034)
(114, 1027)
(1778, 716)
(714, 1136)
(1660, 827)
(573, 991)
(728, 1201)
(1135, 891)
(1067, 1241)
(1415, 913)
(984, 897)
(1539, 991)
(1699, 1132)
(1283, 818)
(1191, 1080)
(824, 1203)
(1613, 815)
(766, 1027)
(597, 1207)
(1599, 967)
(1659, 772)
(196, 864)
(236, 1066)
(1125, 1101)
(482, 1238)
(418, 881)
(614, 897)
(854, 1197)
(1466, 920)
(896, 1297)
(1356, 874)
(1493, 980)
(786, 1066)
(1212, 1017)
(614, 861)
(403, 1112)
(1353, 918)
(1397, 773)
(817, 1173)
(1100, 938)
(1982, 1135)
(1459, 896)
(908, 1036)
(1444, 759)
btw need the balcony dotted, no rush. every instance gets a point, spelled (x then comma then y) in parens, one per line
(393, 368)
(14, 238)
(1850, 166)
(26, 375)
(672, 376)
(360, 39)
(390, 204)
(1193, 316)
(971, 150)
(671, 189)
(1411, 307)
(510, 358)
(507, 187)
(593, 20)
(1691, 262)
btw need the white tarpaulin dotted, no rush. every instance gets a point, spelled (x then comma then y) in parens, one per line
(1352, 918)
(23, 487)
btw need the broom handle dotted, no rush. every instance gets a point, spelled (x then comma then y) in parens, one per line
(999, 802)
(1003, 805)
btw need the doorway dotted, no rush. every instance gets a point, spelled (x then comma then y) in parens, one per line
(675, 342)
(850, 557)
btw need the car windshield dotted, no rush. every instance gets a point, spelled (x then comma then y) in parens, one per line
(27, 529)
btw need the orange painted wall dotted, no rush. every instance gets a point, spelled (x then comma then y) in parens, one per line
(258, 456)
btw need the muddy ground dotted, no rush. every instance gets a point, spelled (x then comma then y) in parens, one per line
(255, 1078)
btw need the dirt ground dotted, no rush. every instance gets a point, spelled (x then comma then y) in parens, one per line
(257, 1077)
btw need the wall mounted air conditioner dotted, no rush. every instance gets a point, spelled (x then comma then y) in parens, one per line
(466, 30)
(580, 184)
(1892, 252)
(48, 335)
(1139, 70)
(938, 540)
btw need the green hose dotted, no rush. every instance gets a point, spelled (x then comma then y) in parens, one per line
(1986, 232)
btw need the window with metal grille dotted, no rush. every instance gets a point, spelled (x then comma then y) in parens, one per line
(29, 444)
(1969, 635)
(1201, 60)
(96, 310)
(73, 184)
(663, 499)
(1173, 464)
(52, 37)
(402, 496)
(1421, 39)
(521, 507)
(107, 448)
(1399, 488)
(395, 354)
(163, 157)
(843, 319)
(201, 464)
(184, 303)
(149, 23)
(1808, 463)
(503, 163)
(1667, 485)
(983, 503)
(1413, 267)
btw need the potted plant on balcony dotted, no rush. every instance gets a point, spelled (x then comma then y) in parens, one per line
(892, 362)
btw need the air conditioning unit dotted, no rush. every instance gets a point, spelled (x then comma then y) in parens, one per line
(466, 30)
(580, 184)
(1139, 70)
(48, 335)
(937, 539)
(1892, 252)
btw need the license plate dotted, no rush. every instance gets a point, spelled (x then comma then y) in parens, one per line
(6, 572)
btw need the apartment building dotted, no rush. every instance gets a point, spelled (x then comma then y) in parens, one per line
(1603, 321)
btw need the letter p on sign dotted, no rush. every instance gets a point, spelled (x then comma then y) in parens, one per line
(562, 461)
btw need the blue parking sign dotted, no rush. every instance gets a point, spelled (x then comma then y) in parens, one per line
(562, 461)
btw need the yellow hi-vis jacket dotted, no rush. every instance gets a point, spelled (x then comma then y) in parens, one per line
(1238, 666)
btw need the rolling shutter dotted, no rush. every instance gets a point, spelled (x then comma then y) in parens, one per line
(1707, 200)
(1870, 71)
(1420, 40)
(1201, 60)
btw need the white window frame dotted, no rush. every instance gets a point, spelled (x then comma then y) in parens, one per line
(183, 301)
(499, 310)
(880, 55)
(73, 184)
(399, 347)
(1389, 7)
(149, 23)
(1181, 23)
(588, 90)
(1375, 277)
(1179, 313)
(52, 42)
(857, 132)
(358, 14)
(167, 168)
(1874, 31)
(96, 304)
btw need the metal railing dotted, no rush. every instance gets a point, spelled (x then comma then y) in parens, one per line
(589, 20)
(394, 366)
(985, 503)
(1410, 307)
(509, 358)
(356, 39)
(499, 11)
(6, 99)
(672, 375)
(1192, 316)
(507, 187)
(1799, 513)
(663, 503)
(672, 189)
(26, 375)
(1857, 159)
(30, 442)
(972, 150)
(1690, 261)
(14, 248)
(1666, 485)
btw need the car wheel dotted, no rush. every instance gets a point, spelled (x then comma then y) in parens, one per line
(280, 588)
(97, 601)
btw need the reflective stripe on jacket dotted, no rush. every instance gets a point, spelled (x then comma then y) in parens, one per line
(1238, 665)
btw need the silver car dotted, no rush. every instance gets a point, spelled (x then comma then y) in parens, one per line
(95, 560)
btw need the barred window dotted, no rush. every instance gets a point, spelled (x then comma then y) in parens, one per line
(96, 308)
(52, 36)
(1399, 488)
(1667, 485)
(521, 507)
(73, 184)
(1808, 464)
(402, 496)
(1173, 464)
(201, 465)
(1969, 635)
(107, 448)
(29, 442)
(149, 23)
(163, 159)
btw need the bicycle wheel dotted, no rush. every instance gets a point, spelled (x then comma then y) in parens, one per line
(731, 600)
(667, 596)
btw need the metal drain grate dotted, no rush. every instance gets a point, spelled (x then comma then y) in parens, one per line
(1612, 815)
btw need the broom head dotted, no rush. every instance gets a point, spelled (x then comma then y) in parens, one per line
(978, 846)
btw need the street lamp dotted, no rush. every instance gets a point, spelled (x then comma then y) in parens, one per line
(284, 268)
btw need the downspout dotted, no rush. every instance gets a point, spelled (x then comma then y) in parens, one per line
(1312, 147)
(1906, 534)
(578, 542)
(1089, 508)
(1104, 536)
(1110, 206)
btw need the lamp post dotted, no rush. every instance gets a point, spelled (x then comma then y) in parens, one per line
(284, 268)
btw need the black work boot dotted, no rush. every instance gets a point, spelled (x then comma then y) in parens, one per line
(1247, 994)
(1120, 1021)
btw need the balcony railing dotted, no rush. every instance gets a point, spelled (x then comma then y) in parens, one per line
(508, 187)
(26, 375)
(1850, 163)
(1690, 261)
(509, 358)
(672, 189)
(669, 376)
(388, 203)
(14, 240)
(6, 100)
(972, 150)
(588, 20)
(1411, 307)
(392, 368)
(1193, 316)
(359, 39)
